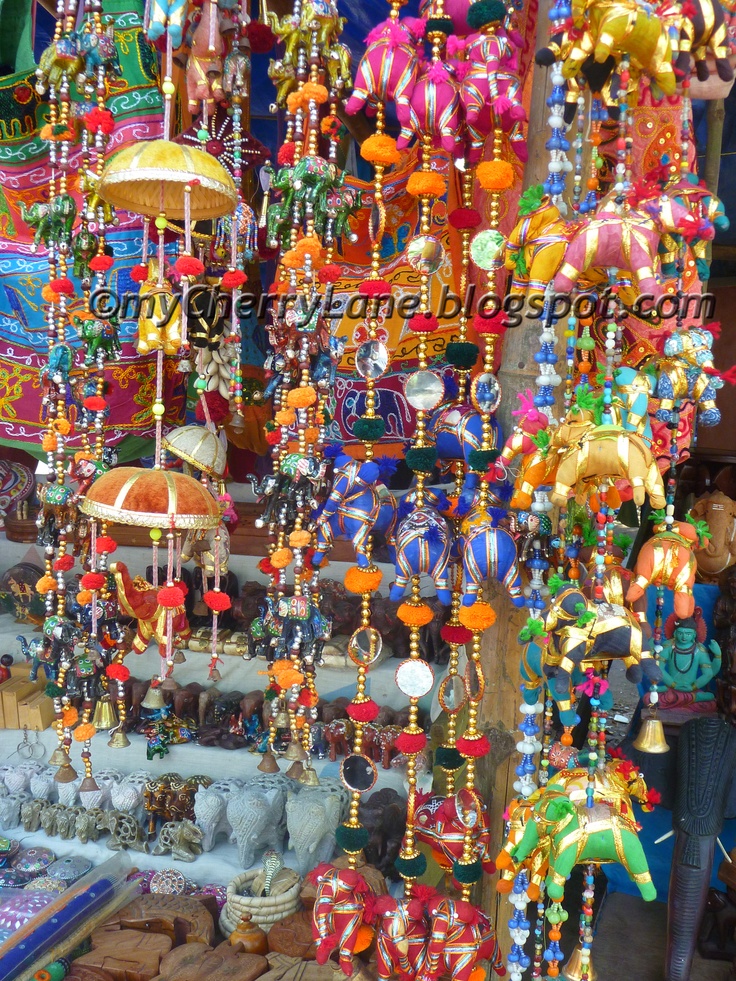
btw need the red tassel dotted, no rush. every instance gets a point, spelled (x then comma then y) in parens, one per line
(64, 564)
(261, 37)
(95, 404)
(139, 274)
(410, 743)
(477, 747)
(93, 581)
(273, 438)
(170, 597)
(464, 218)
(329, 273)
(218, 407)
(286, 154)
(106, 544)
(490, 325)
(99, 120)
(187, 265)
(117, 671)
(63, 286)
(456, 635)
(266, 568)
(423, 323)
(233, 279)
(374, 287)
(218, 602)
(362, 711)
(101, 263)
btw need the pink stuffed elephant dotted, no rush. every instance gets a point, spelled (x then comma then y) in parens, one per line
(389, 68)
(434, 107)
(628, 241)
(204, 65)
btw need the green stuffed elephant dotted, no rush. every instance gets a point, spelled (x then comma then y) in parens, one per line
(578, 835)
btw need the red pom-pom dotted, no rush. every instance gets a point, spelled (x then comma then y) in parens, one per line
(233, 279)
(463, 218)
(452, 634)
(261, 37)
(329, 273)
(63, 286)
(95, 403)
(188, 265)
(490, 325)
(473, 747)
(182, 586)
(218, 602)
(99, 120)
(101, 263)
(139, 274)
(93, 581)
(423, 323)
(217, 406)
(117, 671)
(106, 544)
(273, 437)
(362, 711)
(64, 564)
(266, 567)
(409, 743)
(170, 597)
(374, 287)
(286, 154)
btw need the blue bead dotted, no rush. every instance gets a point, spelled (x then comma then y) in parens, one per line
(525, 962)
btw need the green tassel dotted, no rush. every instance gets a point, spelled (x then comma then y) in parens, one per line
(421, 459)
(351, 840)
(52, 690)
(467, 873)
(461, 354)
(480, 460)
(448, 758)
(440, 25)
(369, 430)
(484, 12)
(411, 868)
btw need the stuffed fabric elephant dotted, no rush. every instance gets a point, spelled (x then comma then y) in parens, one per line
(458, 431)
(423, 543)
(167, 16)
(536, 863)
(338, 912)
(687, 371)
(536, 246)
(401, 940)
(256, 817)
(312, 821)
(389, 67)
(461, 936)
(719, 513)
(708, 212)
(632, 390)
(578, 835)
(667, 559)
(532, 666)
(140, 601)
(700, 31)
(439, 824)
(488, 553)
(434, 107)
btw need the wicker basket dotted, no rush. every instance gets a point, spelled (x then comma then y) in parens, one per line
(265, 910)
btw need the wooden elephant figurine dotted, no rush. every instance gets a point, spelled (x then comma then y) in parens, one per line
(613, 453)
(536, 246)
(719, 512)
(337, 734)
(582, 632)
(578, 835)
(460, 936)
(667, 559)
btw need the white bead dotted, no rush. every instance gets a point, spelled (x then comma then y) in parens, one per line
(618, 186)
(555, 166)
(558, 79)
(567, 166)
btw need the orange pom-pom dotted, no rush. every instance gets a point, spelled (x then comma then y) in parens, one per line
(314, 92)
(479, 616)
(426, 184)
(46, 584)
(48, 295)
(415, 615)
(84, 597)
(364, 938)
(62, 426)
(294, 102)
(380, 149)
(301, 398)
(504, 885)
(84, 732)
(281, 558)
(285, 417)
(69, 717)
(311, 434)
(504, 861)
(292, 259)
(49, 442)
(300, 538)
(361, 581)
(495, 175)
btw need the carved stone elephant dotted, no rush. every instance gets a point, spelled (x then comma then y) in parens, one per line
(312, 820)
(30, 814)
(256, 817)
(210, 815)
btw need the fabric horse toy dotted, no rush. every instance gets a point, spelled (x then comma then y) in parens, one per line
(358, 506)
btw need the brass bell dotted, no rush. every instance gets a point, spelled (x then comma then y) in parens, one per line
(89, 783)
(295, 770)
(573, 970)
(309, 778)
(59, 757)
(65, 774)
(651, 737)
(119, 740)
(154, 698)
(295, 751)
(105, 716)
(268, 764)
(282, 719)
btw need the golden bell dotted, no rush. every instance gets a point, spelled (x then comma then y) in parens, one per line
(309, 778)
(268, 764)
(295, 751)
(282, 719)
(89, 783)
(119, 740)
(651, 737)
(105, 716)
(295, 770)
(154, 698)
(573, 970)
(59, 757)
(65, 774)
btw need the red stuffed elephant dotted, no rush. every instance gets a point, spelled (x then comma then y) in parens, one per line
(139, 599)
(441, 823)
(342, 907)
(667, 560)
(461, 937)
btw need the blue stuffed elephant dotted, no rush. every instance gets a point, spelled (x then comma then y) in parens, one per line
(423, 543)
(532, 673)
(684, 372)
(488, 552)
(458, 431)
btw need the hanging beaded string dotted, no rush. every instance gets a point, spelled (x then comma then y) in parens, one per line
(558, 144)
